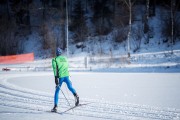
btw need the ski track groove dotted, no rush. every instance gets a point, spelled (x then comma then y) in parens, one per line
(111, 108)
(101, 104)
(18, 98)
(109, 111)
(39, 96)
(40, 108)
(24, 92)
(29, 101)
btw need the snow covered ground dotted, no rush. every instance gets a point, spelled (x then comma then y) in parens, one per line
(163, 61)
(114, 96)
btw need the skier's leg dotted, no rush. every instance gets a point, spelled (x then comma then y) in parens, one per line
(56, 99)
(56, 95)
(69, 85)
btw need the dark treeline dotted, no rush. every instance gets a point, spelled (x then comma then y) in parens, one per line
(86, 19)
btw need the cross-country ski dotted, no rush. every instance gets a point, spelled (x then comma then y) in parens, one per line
(71, 108)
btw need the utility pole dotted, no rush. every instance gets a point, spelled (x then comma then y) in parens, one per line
(172, 23)
(67, 45)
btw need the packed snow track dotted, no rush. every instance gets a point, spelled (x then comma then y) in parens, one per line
(24, 102)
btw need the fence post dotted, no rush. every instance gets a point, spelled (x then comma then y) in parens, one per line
(86, 62)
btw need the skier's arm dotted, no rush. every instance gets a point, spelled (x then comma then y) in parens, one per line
(54, 66)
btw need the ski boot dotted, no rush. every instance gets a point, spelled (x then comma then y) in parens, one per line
(54, 109)
(76, 99)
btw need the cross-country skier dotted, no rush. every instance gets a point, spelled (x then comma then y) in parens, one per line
(61, 73)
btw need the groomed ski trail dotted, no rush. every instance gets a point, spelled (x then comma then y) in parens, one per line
(38, 102)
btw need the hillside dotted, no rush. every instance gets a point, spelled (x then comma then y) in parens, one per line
(105, 45)
(95, 28)
(93, 46)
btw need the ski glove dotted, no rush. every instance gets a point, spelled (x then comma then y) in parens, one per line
(56, 81)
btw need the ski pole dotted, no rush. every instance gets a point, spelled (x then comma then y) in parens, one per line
(66, 99)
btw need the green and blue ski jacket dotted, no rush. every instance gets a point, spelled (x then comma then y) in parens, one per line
(60, 66)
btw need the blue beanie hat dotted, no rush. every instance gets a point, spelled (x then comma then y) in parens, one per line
(58, 51)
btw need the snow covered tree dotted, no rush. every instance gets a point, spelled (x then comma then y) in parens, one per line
(146, 25)
(9, 42)
(147, 29)
(170, 22)
(103, 16)
(152, 8)
(15, 24)
(20, 9)
(78, 22)
(121, 16)
(129, 4)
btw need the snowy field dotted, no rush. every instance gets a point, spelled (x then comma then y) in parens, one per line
(161, 62)
(114, 96)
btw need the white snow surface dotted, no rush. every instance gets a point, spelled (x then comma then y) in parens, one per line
(114, 96)
(163, 61)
